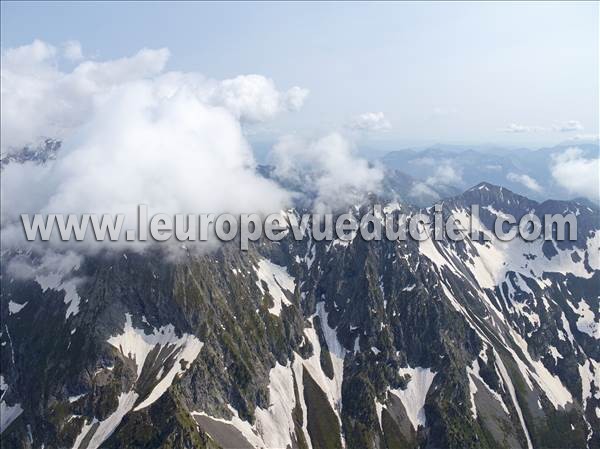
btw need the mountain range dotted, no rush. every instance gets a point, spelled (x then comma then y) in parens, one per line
(307, 344)
(441, 168)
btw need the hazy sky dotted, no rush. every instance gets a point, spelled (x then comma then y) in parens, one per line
(452, 72)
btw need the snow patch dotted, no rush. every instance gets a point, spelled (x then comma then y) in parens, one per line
(276, 424)
(554, 353)
(586, 321)
(8, 413)
(491, 261)
(75, 398)
(511, 390)
(277, 278)
(413, 397)
(331, 387)
(135, 344)
(550, 384)
(54, 281)
(106, 427)
(15, 307)
(473, 372)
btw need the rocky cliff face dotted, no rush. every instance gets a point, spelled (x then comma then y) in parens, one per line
(305, 344)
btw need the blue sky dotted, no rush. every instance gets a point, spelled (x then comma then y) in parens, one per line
(440, 72)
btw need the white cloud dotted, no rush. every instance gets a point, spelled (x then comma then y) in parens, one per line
(370, 121)
(515, 128)
(40, 101)
(571, 125)
(175, 153)
(254, 98)
(328, 167)
(576, 173)
(422, 192)
(132, 134)
(525, 180)
(22, 267)
(591, 138)
(444, 174)
(294, 98)
(72, 51)
(24, 57)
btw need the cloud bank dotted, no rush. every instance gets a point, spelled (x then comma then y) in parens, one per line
(524, 180)
(515, 128)
(73, 51)
(370, 121)
(327, 168)
(576, 173)
(444, 174)
(570, 126)
(40, 101)
(131, 133)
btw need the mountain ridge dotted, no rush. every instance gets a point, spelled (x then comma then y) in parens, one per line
(421, 344)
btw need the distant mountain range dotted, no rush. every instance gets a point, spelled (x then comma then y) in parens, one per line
(524, 171)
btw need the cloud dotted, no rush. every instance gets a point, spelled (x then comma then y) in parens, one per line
(585, 138)
(27, 56)
(174, 153)
(294, 98)
(370, 121)
(525, 180)
(21, 267)
(576, 173)
(132, 134)
(327, 167)
(254, 98)
(41, 101)
(515, 128)
(570, 126)
(72, 51)
(444, 174)
(422, 192)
